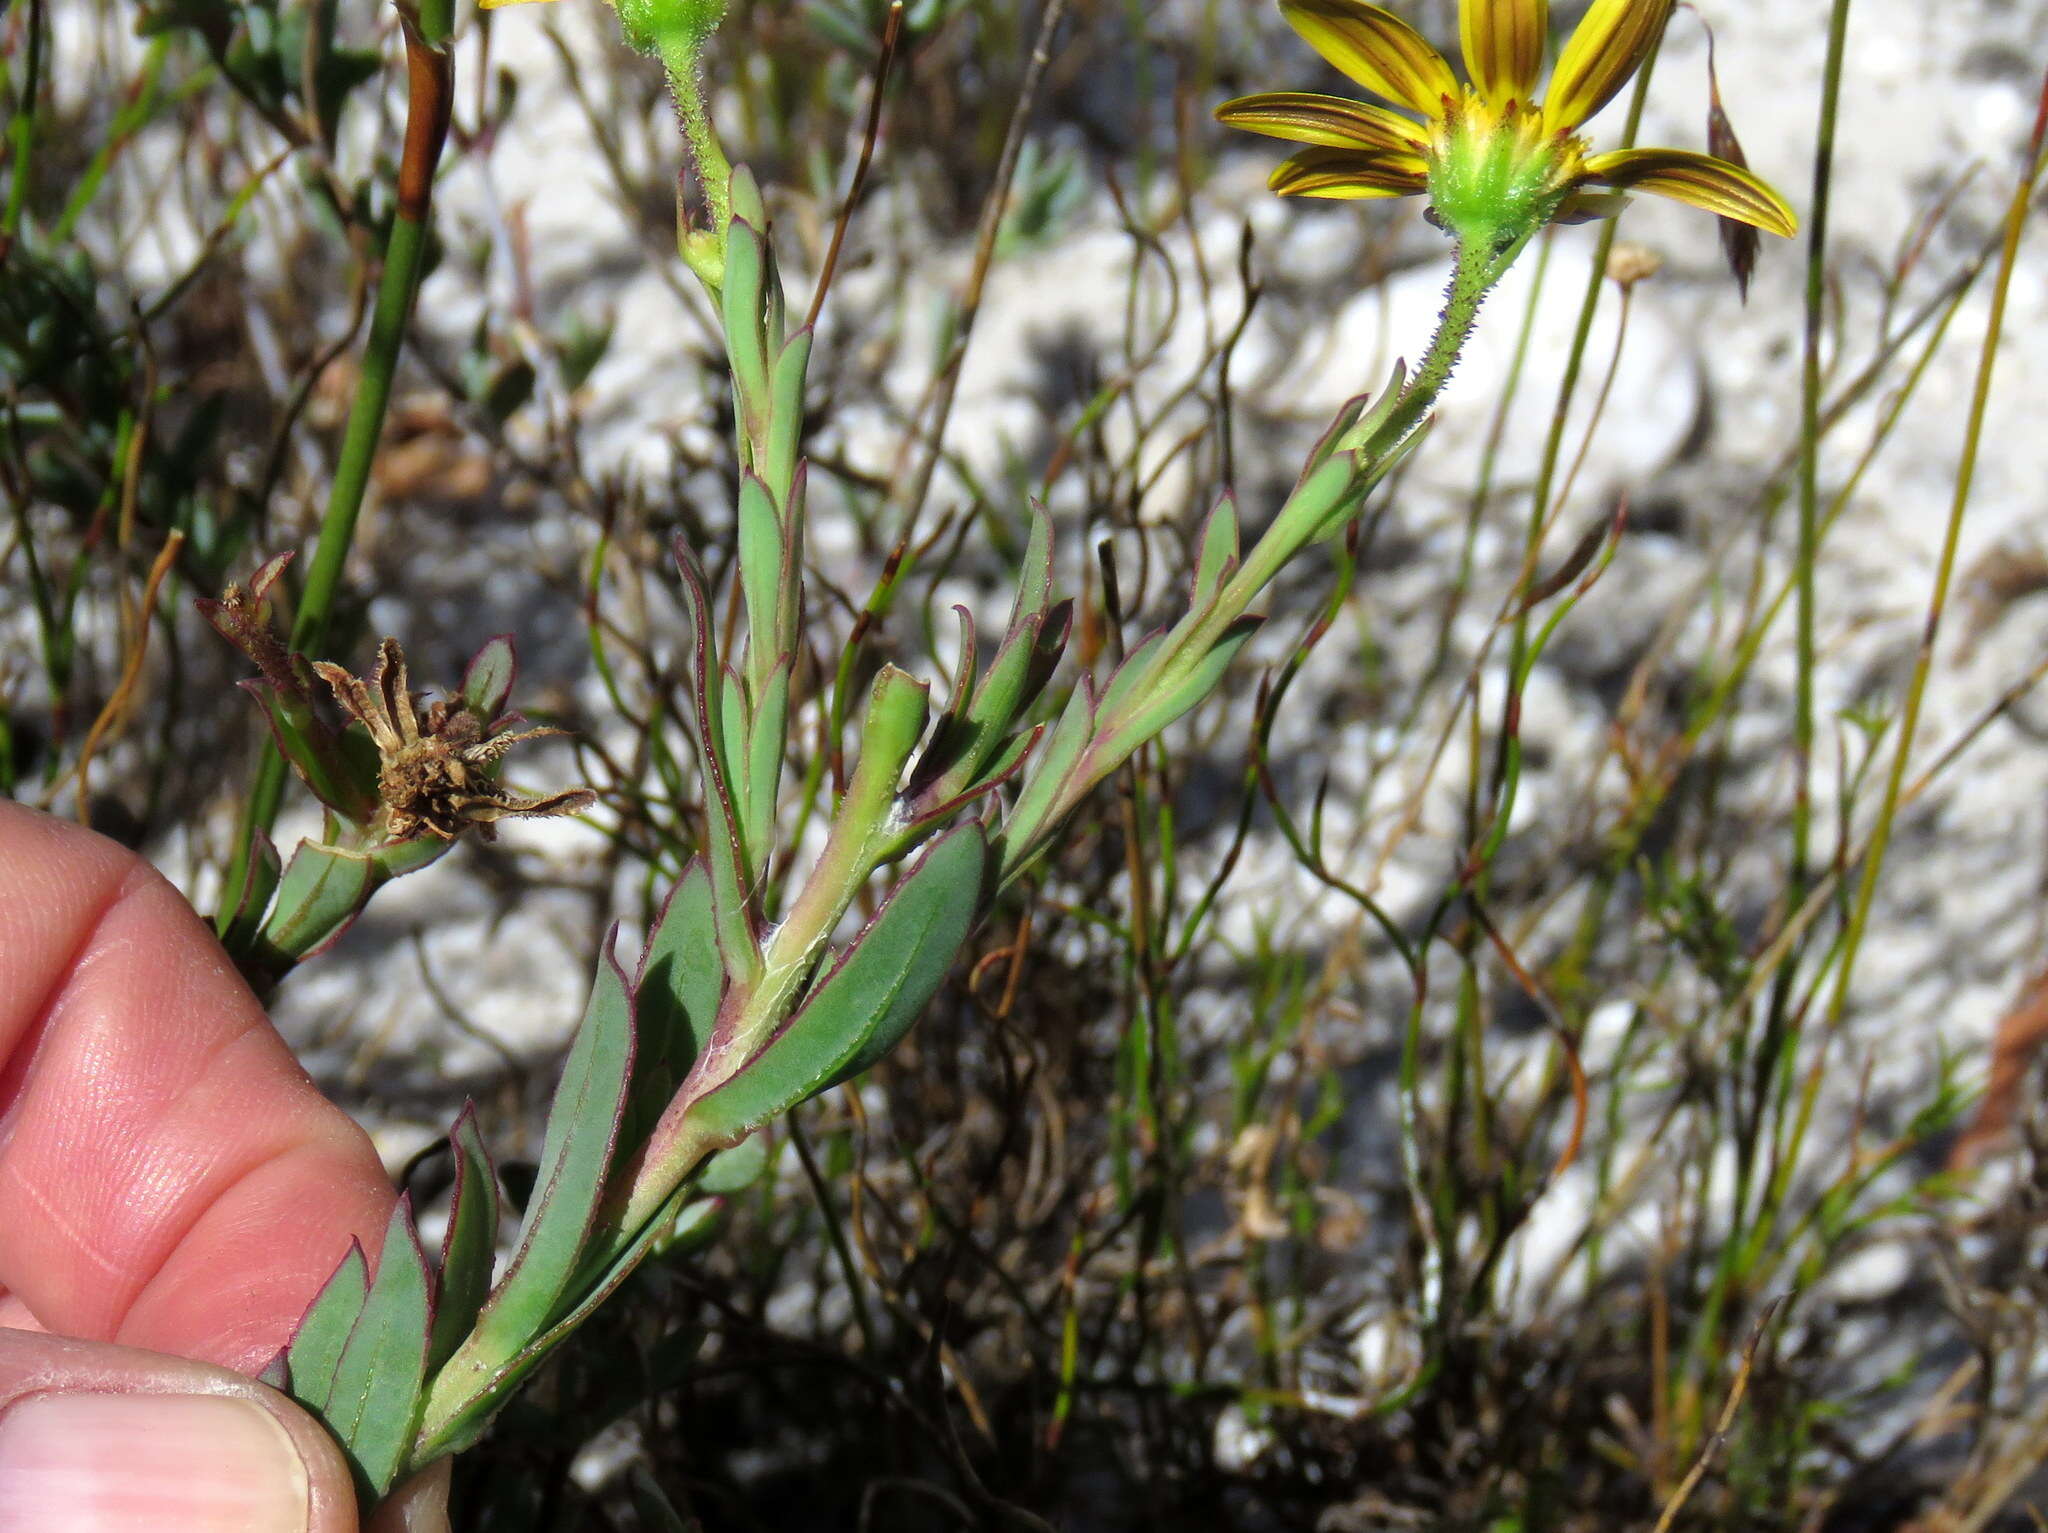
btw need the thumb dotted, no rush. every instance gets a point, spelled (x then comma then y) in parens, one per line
(97, 1436)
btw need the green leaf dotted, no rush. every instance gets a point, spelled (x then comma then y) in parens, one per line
(395, 859)
(1001, 696)
(675, 1002)
(375, 1401)
(316, 1345)
(760, 539)
(488, 681)
(465, 1422)
(341, 769)
(725, 849)
(898, 705)
(746, 198)
(868, 1000)
(321, 891)
(1034, 575)
(262, 883)
(786, 411)
(1356, 422)
(731, 720)
(471, 1243)
(1218, 555)
(1057, 758)
(736, 1169)
(575, 1154)
(1369, 475)
(1129, 676)
(1177, 694)
(764, 765)
(746, 271)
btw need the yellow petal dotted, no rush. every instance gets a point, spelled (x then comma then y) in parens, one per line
(1608, 45)
(1303, 118)
(1503, 42)
(492, 5)
(1699, 179)
(1347, 173)
(1377, 49)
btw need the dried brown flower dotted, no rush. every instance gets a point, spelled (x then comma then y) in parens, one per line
(434, 776)
(1629, 263)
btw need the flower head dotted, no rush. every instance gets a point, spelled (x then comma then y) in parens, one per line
(1495, 163)
(436, 775)
(657, 26)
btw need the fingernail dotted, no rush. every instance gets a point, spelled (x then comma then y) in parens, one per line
(87, 1463)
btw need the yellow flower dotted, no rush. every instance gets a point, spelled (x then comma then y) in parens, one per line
(1495, 163)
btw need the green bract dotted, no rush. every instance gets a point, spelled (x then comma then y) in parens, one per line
(659, 27)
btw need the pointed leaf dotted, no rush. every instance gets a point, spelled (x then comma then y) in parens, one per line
(576, 1151)
(1163, 704)
(321, 891)
(746, 262)
(869, 999)
(1218, 555)
(760, 540)
(786, 411)
(375, 1401)
(471, 1243)
(764, 765)
(962, 693)
(340, 768)
(1132, 676)
(898, 704)
(675, 1002)
(264, 869)
(1057, 758)
(487, 683)
(1368, 421)
(459, 1426)
(316, 1345)
(725, 853)
(1034, 574)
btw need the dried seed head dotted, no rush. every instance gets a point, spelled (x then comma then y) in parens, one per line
(1739, 241)
(434, 777)
(1629, 263)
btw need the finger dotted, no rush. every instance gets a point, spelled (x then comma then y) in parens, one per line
(170, 1177)
(94, 1435)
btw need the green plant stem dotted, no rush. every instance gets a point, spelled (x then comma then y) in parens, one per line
(1472, 278)
(1923, 660)
(703, 250)
(1809, 447)
(1309, 513)
(1567, 388)
(432, 79)
(21, 132)
(1781, 1022)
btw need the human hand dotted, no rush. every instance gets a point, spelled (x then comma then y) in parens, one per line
(173, 1192)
